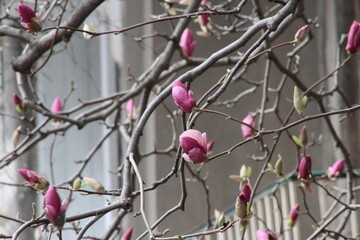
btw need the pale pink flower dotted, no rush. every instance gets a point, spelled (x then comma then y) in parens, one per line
(131, 108)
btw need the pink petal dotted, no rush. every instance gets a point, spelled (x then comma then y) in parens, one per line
(56, 106)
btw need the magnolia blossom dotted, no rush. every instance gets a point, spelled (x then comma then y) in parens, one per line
(127, 234)
(131, 109)
(18, 103)
(301, 33)
(305, 168)
(194, 145)
(336, 169)
(353, 39)
(34, 179)
(56, 105)
(54, 209)
(246, 131)
(264, 235)
(183, 97)
(293, 214)
(29, 18)
(187, 43)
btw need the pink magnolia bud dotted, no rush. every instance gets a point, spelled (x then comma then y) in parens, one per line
(131, 108)
(241, 207)
(264, 235)
(183, 97)
(353, 40)
(56, 106)
(302, 33)
(34, 179)
(127, 234)
(194, 145)
(336, 169)
(54, 209)
(16, 99)
(293, 214)
(246, 190)
(246, 131)
(187, 43)
(29, 19)
(305, 168)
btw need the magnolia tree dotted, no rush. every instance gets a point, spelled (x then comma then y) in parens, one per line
(190, 150)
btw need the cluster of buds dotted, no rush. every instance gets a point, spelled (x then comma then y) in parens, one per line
(264, 235)
(183, 97)
(293, 215)
(54, 209)
(245, 129)
(29, 18)
(336, 169)
(34, 179)
(195, 146)
(353, 39)
(242, 204)
(187, 43)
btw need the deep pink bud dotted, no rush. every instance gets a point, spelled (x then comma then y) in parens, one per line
(183, 97)
(16, 99)
(30, 176)
(29, 19)
(194, 145)
(264, 235)
(336, 169)
(54, 209)
(34, 179)
(353, 40)
(246, 190)
(246, 131)
(305, 168)
(130, 108)
(127, 234)
(56, 106)
(293, 214)
(187, 43)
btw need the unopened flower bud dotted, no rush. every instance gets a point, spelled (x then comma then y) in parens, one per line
(54, 209)
(127, 234)
(305, 168)
(94, 184)
(77, 184)
(293, 215)
(336, 169)
(303, 136)
(264, 235)
(247, 131)
(187, 43)
(183, 97)
(353, 39)
(302, 33)
(279, 167)
(29, 18)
